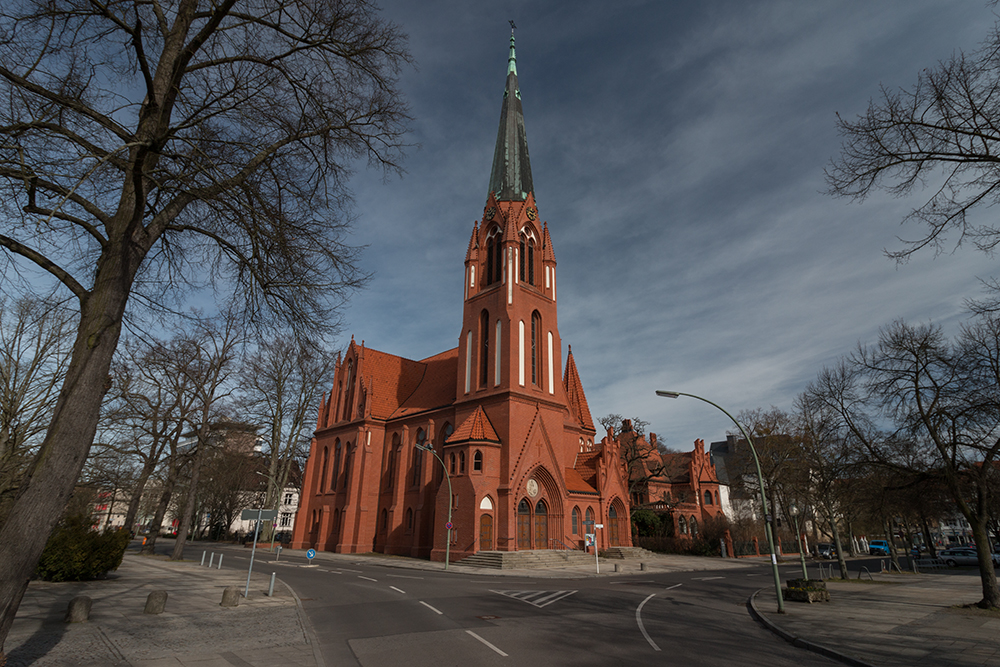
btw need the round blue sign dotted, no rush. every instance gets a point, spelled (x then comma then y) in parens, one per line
(311, 554)
(448, 525)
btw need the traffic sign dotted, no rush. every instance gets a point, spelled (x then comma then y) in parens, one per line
(311, 554)
(449, 525)
(258, 515)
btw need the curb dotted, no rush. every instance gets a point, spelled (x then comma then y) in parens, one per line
(307, 627)
(799, 641)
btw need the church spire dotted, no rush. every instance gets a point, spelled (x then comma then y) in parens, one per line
(510, 178)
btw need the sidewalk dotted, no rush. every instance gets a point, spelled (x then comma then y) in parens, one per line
(193, 629)
(897, 620)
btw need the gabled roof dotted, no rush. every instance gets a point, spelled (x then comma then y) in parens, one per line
(575, 483)
(399, 386)
(510, 178)
(574, 392)
(477, 427)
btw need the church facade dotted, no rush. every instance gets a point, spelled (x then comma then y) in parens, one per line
(495, 434)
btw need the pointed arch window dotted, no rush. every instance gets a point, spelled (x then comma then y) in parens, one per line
(461, 463)
(694, 526)
(418, 456)
(322, 472)
(536, 348)
(336, 465)
(494, 257)
(477, 461)
(349, 398)
(526, 258)
(576, 521)
(484, 347)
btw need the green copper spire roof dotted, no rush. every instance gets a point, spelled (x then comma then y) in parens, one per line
(510, 179)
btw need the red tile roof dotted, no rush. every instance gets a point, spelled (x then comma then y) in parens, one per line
(401, 386)
(476, 427)
(575, 483)
(574, 392)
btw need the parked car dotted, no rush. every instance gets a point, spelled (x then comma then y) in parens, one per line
(826, 550)
(878, 547)
(953, 556)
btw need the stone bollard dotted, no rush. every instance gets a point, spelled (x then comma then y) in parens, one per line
(155, 602)
(78, 610)
(616, 568)
(230, 596)
(642, 567)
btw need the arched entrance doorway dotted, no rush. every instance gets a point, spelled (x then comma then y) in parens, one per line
(485, 532)
(613, 520)
(523, 525)
(541, 525)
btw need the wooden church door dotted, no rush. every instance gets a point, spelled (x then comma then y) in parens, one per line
(541, 526)
(485, 532)
(523, 525)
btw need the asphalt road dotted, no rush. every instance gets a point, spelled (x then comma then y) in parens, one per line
(371, 615)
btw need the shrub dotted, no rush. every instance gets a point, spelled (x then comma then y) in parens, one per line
(76, 552)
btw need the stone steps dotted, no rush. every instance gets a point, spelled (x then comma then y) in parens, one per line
(627, 553)
(532, 559)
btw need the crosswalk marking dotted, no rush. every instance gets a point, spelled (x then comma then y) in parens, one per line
(536, 598)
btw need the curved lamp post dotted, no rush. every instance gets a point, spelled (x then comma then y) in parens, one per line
(794, 511)
(447, 546)
(763, 496)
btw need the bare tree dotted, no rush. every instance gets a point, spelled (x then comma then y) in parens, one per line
(211, 363)
(34, 351)
(945, 130)
(943, 400)
(641, 457)
(282, 383)
(148, 146)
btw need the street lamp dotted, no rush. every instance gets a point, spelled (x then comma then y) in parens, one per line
(760, 478)
(794, 511)
(447, 546)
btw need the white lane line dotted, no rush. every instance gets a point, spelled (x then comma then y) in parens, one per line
(705, 578)
(627, 583)
(354, 571)
(398, 590)
(360, 576)
(672, 587)
(488, 644)
(638, 619)
(429, 607)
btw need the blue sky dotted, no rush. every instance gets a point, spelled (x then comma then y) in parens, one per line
(677, 151)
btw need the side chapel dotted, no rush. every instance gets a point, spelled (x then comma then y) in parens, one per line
(507, 418)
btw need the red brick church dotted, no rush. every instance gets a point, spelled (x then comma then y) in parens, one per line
(506, 416)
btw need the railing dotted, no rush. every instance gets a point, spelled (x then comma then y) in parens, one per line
(555, 543)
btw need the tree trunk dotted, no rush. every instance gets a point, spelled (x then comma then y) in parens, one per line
(50, 480)
(140, 486)
(836, 542)
(173, 471)
(185, 525)
(891, 539)
(928, 540)
(988, 575)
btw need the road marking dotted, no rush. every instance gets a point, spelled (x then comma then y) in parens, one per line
(626, 583)
(487, 643)
(672, 587)
(368, 578)
(429, 607)
(705, 578)
(638, 619)
(354, 571)
(398, 590)
(402, 576)
(537, 598)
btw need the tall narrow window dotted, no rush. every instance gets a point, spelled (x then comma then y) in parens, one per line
(418, 457)
(576, 520)
(496, 362)
(498, 264)
(489, 261)
(451, 468)
(521, 260)
(349, 398)
(536, 348)
(531, 262)
(461, 463)
(477, 461)
(468, 362)
(336, 465)
(484, 348)
(322, 473)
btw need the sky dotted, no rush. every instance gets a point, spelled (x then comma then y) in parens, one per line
(677, 152)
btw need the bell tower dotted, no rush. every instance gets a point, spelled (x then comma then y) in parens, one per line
(510, 336)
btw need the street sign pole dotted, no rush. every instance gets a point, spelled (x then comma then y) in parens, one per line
(249, 515)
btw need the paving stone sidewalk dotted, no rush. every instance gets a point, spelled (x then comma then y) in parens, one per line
(900, 620)
(193, 629)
